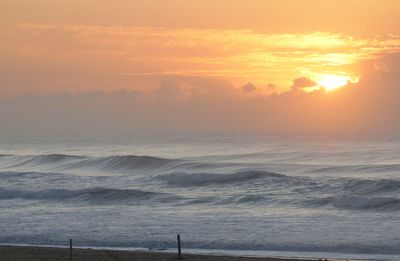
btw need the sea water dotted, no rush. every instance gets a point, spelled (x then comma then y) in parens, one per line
(297, 196)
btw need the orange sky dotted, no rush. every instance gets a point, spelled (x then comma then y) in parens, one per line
(202, 51)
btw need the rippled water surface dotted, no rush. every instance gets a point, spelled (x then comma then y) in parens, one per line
(219, 192)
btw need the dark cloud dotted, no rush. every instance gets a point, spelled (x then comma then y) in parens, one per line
(248, 88)
(301, 83)
(190, 87)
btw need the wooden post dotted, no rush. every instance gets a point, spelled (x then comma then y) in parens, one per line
(70, 249)
(179, 247)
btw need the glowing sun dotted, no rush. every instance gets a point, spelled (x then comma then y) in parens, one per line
(332, 82)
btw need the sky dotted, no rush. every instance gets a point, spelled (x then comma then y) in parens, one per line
(242, 66)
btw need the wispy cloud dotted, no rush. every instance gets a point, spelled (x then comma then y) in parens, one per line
(242, 55)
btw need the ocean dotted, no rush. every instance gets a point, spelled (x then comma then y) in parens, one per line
(228, 194)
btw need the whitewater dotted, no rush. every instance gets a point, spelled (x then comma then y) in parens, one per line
(257, 195)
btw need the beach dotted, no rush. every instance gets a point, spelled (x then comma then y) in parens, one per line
(33, 253)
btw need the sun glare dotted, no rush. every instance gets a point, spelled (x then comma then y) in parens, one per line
(332, 82)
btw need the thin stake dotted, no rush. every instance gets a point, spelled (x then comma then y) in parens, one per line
(179, 247)
(70, 249)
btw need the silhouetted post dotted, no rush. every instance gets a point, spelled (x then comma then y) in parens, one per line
(179, 246)
(70, 249)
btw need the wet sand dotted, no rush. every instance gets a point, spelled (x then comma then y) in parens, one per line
(28, 253)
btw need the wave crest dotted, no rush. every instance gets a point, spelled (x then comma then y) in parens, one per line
(96, 195)
(132, 162)
(204, 179)
(368, 186)
(67, 162)
(356, 202)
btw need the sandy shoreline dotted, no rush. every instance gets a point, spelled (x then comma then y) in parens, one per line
(33, 253)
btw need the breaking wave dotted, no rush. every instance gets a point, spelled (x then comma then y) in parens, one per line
(359, 202)
(97, 195)
(244, 184)
(131, 162)
(368, 186)
(204, 179)
(356, 202)
(67, 162)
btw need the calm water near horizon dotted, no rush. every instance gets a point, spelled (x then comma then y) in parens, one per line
(253, 194)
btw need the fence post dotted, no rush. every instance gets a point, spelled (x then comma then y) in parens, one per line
(179, 247)
(70, 249)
